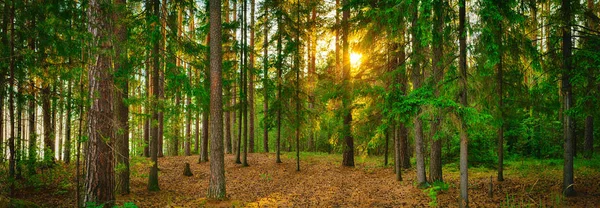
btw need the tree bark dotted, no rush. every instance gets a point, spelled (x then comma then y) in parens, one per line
(251, 83)
(435, 163)
(121, 96)
(397, 152)
(500, 89)
(32, 132)
(266, 80)
(348, 155)
(464, 177)
(279, 80)
(568, 130)
(416, 81)
(99, 179)
(244, 97)
(297, 66)
(205, 113)
(11, 101)
(216, 189)
(154, 129)
(589, 120)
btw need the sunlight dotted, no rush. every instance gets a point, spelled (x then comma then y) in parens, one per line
(355, 59)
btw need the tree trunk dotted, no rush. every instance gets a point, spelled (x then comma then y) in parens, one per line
(121, 95)
(266, 80)
(154, 129)
(348, 156)
(500, 89)
(397, 152)
(205, 114)
(297, 66)
(416, 81)
(67, 151)
(146, 143)
(244, 97)
(279, 80)
(216, 189)
(435, 163)
(188, 127)
(99, 179)
(464, 177)
(568, 130)
(251, 83)
(32, 131)
(589, 120)
(11, 102)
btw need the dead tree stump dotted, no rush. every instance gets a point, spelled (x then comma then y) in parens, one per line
(187, 171)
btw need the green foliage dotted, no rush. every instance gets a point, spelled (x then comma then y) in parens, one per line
(127, 205)
(433, 191)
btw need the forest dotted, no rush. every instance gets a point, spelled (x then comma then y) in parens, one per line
(299, 103)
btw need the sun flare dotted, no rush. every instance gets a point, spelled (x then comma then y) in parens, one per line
(355, 59)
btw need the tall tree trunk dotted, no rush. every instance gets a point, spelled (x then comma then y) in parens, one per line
(464, 139)
(397, 151)
(348, 156)
(216, 188)
(435, 163)
(251, 83)
(589, 120)
(32, 130)
(244, 97)
(161, 114)
(235, 142)
(67, 151)
(154, 129)
(4, 39)
(266, 80)
(99, 178)
(188, 128)
(146, 143)
(279, 80)
(60, 120)
(205, 113)
(402, 81)
(416, 81)
(11, 101)
(121, 96)
(297, 66)
(312, 72)
(47, 121)
(568, 130)
(500, 80)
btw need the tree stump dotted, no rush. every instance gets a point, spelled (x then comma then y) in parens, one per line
(187, 171)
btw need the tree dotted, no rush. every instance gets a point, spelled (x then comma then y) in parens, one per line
(154, 129)
(244, 83)
(297, 66)
(251, 83)
(435, 164)
(121, 96)
(266, 77)
(568, 130)
(279, 78)
(589, 119)
(216, 189)
(416, 81)
(464, 139)
(11, 98)
(346, 86)
(99, 178)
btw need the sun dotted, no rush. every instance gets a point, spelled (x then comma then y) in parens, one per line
(355, 59)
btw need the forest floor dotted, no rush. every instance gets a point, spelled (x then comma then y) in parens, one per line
(323, 182)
